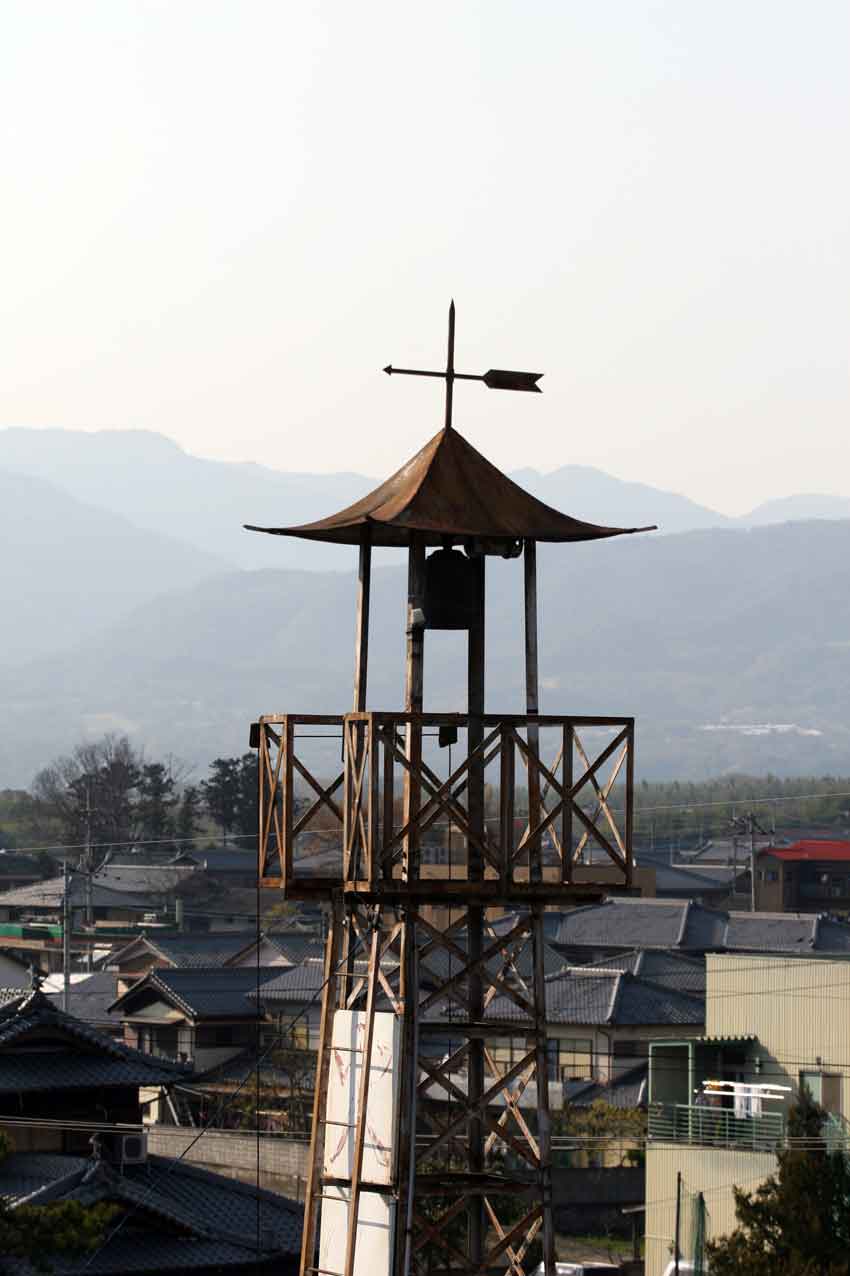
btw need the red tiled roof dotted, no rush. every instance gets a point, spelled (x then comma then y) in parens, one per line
(810, 850)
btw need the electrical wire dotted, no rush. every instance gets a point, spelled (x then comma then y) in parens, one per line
(638, 810)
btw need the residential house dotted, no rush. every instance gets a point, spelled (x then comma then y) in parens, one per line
(718, 1104)
(57, 1072)
(710, 884)
(44, 901)
(202, 1014)
(61, 1083)
(17, 869)
(89, 997)
(599, 1022)
(810, 876)
(31, 918)
(161, 950)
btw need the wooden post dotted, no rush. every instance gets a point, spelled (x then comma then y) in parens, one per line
(312, 1186)
(413, 692)
(544, 1124)
(361, 646)
(532, 706)
(567, 814)
(362, 1100)
(630, 803)
(475, 912)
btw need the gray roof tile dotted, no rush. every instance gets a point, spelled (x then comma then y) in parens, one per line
(113, 1064)
(203, 992)
(217, 1215)
(684, 925)
(598, 996)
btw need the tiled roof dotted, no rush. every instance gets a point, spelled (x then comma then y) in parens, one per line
(50, 894)
(89, 998)
(814, 849)
(628, 1090)
(113, 1063)
(670, 970)
(234, 1071)
(150, 879)
(688, 882)
(188, 950)
(597, 996)
(217, 1216)
(215, 992)
(682, 924)
(295, 983)
(296, 947)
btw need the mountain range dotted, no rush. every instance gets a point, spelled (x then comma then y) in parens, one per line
(128, 606)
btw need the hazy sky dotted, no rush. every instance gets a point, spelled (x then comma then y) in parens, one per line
(220, 220)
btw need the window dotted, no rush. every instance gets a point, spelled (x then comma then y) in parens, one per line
(773, 876)
(825, 1089)
(576, 1059)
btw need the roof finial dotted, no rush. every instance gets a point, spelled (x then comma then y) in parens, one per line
(495, 379)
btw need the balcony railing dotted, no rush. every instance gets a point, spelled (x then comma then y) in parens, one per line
(508, 801)
(715, 1127)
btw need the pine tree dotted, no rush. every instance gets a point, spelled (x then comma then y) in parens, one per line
(221, 793)
(155, 807)
(188, 816)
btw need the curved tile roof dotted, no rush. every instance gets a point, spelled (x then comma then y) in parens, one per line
(448, 489)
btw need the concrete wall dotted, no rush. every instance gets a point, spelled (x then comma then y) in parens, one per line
(586, 1200)
(283, 1162)
(712, 1171)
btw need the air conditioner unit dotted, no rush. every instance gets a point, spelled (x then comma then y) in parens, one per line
(133, 1149)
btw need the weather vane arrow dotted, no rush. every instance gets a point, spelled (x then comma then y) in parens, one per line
(494, 379)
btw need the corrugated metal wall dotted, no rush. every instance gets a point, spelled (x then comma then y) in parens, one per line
(798, 1007)
(712, 1171)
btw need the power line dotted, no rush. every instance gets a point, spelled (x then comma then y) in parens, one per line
(640, 810)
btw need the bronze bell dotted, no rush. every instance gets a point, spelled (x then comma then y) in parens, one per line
(449, 591)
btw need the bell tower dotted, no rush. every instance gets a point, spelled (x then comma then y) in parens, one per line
(430, 1148)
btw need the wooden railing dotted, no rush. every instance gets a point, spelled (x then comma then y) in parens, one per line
(500, 814)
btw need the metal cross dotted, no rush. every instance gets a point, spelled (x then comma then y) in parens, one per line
(495, 379)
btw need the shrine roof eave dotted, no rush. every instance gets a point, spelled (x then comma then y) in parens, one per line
(449, 490)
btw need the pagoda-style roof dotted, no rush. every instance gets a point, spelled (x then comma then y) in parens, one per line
(448, 489)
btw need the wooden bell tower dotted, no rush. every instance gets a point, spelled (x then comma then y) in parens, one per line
(430, 1146)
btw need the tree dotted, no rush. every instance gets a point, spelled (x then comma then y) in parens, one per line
(188, 821)
(92, 792)
(247, 810)
(221, 793)
(796, 1223)
(35, 1232)
(155, 807)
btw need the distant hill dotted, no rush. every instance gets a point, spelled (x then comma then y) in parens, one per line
(69, 570)
(150, 480)
(731, 647)
(593, 495)
(790, 509)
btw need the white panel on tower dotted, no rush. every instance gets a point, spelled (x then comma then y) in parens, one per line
(379, 1149)
(375, 1230)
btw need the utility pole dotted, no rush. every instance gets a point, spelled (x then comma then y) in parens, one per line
(676, 1250)
(748, 824)
(66, 938)
(88, 878)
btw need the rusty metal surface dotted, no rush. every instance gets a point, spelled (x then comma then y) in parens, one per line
(448, 489)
